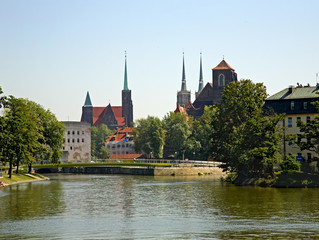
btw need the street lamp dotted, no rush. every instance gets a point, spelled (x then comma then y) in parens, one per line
(194, 155)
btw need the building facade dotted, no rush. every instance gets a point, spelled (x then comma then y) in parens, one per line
(112, 116)
(295, 103)
(76, 142)
(121, 142)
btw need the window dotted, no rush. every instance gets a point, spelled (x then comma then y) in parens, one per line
(78, 132)
(68, 140)
(78, 140)
(63, 140)
(290, 142)
(73, 140)
(308, 119)
(73, 132)
(298, 139)
(82, 139)
(221, 80)
(289, 122)
(308, 156)
(82, 132)
(305, 105)
(292, 105)
(298, 119)
(63, 148)
(69, 132)
(71, 148)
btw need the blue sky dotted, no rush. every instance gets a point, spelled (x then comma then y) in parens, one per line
(52, 52)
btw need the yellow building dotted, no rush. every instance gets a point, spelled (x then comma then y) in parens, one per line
(295, 102)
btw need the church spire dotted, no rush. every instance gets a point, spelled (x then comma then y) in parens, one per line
(183, 77)
(200, 85)
(87, 102)
(125, 76)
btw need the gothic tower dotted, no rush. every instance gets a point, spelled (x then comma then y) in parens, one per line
(200, 85)
(183, 96)
(87, 110)
(127, 105)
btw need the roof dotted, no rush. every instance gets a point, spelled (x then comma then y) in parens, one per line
(126, 156)
(223, 65)
(180, 109)
(121, 134)
(296, 93)
(99, 113)
(87, 102)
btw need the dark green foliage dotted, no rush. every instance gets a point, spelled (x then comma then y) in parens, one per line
(98, 137)
(289, 164)
(242, 137)
(149, 136)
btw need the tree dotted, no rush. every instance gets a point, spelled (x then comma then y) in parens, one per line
(308, 138)
(179, 134)
(243, 137)
(21, 132)
(202, 130)
(98, 137)
(149, 136)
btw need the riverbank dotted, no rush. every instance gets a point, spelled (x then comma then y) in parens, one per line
(21, 178)
(282, 180)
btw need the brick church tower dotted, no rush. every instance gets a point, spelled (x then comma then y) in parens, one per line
(127, 105)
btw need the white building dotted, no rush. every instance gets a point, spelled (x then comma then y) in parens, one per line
(76, 142)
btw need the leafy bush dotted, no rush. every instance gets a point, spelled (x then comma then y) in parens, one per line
(289, 164)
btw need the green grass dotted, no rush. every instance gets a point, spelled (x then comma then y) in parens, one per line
(15, 178)
(122, 164)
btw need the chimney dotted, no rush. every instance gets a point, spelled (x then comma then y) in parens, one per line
(290, 89)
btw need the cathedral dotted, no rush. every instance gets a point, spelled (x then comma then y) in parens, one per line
(209, 95)
(111, 116)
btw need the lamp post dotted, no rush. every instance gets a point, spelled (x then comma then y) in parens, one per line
(194, 155)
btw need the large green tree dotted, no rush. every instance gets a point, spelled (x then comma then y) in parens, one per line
(243, 137)
(149, 136)
(98, 136)
(179, 136)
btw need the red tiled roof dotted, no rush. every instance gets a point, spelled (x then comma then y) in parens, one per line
(121, 134)
(126, 156)
(179, 109)
(223, 65)
(99, 113)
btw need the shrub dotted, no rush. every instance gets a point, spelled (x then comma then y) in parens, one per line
(289, 164)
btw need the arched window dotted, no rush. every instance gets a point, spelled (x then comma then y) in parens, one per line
(221, 80)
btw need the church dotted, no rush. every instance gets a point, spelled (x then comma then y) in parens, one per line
(112, 116)
(209, 95)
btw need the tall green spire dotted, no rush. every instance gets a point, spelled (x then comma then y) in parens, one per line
(183, 77)
(125, 76)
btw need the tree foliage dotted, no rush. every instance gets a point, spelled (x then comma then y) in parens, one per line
(243, 138)
(28, 133)
(179, 136)
(149, 136)
(98, 137)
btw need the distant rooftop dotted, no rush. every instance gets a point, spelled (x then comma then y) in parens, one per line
(298, 92)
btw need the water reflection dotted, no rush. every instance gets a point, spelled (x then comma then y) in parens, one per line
(135, 207)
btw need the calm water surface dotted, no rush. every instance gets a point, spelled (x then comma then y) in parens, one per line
(138, 207)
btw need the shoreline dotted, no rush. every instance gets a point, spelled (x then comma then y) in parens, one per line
(33, 178)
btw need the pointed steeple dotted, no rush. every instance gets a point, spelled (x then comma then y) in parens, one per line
(200, 85)
(125, 76)
(87, 102)
(183, 77)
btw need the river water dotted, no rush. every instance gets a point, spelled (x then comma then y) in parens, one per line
(144, 207)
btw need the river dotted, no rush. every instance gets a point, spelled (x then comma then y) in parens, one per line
(145, 207)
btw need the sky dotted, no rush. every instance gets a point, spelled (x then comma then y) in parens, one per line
(54, 51)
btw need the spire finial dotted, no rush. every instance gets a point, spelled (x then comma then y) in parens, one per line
(87, 102)
(125, 76)
(223, 57)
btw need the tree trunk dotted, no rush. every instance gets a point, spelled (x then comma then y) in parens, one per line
(10, 169)
(17, 171)
(30, 167)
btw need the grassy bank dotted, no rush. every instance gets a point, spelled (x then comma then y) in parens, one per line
(20, 178)
(123, 164)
